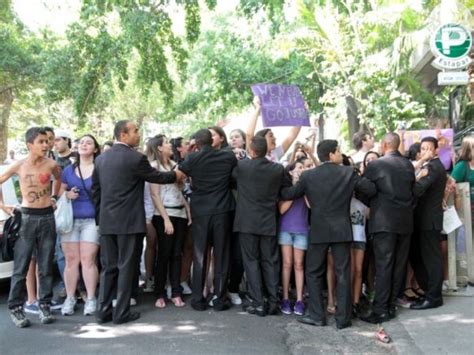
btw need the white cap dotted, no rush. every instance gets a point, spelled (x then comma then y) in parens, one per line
(62, 133)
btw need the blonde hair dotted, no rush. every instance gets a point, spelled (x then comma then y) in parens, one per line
(467, 148)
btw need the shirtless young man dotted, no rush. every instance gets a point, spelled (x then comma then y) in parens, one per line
(38, 229)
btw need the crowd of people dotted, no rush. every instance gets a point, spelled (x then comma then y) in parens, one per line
(352, 236)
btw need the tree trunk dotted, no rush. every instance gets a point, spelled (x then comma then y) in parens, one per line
(352, 116)
(6, 100)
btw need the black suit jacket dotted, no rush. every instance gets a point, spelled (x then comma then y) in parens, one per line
(117, 189)
(430, 192)
(391, 209)
(211, 173)
(258, 186)
(329, 189)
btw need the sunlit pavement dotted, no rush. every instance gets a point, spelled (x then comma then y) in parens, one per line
(448, 329)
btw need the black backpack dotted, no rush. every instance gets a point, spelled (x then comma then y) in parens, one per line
(11, 232)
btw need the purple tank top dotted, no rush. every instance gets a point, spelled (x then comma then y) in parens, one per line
(295, 220)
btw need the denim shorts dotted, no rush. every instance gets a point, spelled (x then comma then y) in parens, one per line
(297, 240)
(358, 245)
(83, 230)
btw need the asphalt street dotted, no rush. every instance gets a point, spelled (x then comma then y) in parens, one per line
(186, 331)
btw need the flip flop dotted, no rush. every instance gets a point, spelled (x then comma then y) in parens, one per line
(160, 303)
(382, 336)
(178, 302)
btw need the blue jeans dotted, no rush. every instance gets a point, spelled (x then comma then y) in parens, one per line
(37, 232)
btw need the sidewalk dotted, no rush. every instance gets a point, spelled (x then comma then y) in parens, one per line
(445, 330)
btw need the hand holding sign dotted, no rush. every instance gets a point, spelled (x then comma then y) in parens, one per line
(281, 105)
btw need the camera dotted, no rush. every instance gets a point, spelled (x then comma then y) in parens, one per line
(242, 154)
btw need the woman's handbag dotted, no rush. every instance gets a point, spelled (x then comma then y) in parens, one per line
(63, 215)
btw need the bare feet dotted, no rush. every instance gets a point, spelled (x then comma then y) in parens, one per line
(160, 303)
(178, 302)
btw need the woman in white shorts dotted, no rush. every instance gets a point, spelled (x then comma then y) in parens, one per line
(81, 245)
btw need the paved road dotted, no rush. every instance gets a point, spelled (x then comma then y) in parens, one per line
(186, 331)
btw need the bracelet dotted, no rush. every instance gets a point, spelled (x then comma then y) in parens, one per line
(54, 198)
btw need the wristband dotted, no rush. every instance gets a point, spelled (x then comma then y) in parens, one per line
(54, 198)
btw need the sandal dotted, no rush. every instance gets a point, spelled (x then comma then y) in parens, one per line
(160, 303)
(410, 294)
(331, 309)
(178, 302)
(382, 336)
(419, 292)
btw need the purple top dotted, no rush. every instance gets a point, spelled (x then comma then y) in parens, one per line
(295, 220)
(82, 207)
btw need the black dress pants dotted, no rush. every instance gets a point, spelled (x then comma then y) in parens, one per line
(260, 258)
(316, 260)
(138, 259)
(215, 229)
(427, 263)
(236, 264)
(118, 261)
(168, 256)
(391, 252)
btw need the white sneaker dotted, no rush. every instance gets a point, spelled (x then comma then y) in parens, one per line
(211, 302)
(69, 306)
(90, 306)
(445, 286)
(149, 285)
(235, 298)
(186, 289)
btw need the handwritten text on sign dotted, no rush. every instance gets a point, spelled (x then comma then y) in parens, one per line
(282, 105)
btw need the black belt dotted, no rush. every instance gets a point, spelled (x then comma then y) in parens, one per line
(175, 207)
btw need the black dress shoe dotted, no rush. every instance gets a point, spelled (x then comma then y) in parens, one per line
(131, 317)
(259, 310)
(375, 318)
(221, 305)
(425, 304)
(392, 311)
(199, 306)
(310, 321)
(103, 319)
(343, 325)
(273, 309)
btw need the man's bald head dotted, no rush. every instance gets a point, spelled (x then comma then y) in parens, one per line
(391, 141)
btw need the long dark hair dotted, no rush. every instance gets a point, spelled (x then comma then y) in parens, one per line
(151, 151)
(366, 155)
(221, 134)
(96, 153)
(175, 144)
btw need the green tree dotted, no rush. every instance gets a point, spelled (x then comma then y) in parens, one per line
(366, 78)
(19, 66)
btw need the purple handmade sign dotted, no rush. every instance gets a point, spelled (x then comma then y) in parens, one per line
(445, 143)
(282, 105)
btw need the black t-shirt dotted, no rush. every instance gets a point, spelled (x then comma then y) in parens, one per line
(211, 173)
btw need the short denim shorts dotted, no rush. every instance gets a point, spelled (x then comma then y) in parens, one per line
(358, 245)
(297, 240)
(83, 230)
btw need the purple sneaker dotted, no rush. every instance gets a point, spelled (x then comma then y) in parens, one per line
(299, 308)
(286, 307)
